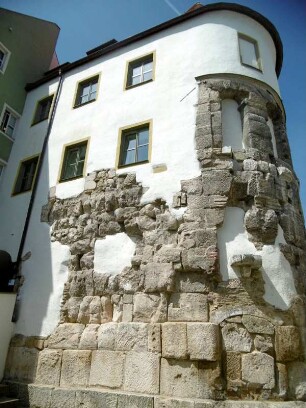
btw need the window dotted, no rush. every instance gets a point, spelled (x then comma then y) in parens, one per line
(249, 52)
(134, 145)
(26, 174)
(74, 160)
(4, 57)
(140, 71)
(8, 123)
(87, 91)
(43, 109)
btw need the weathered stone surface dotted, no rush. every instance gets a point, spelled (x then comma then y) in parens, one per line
(49, 367)
(94, 399)
(142, 372)
(287, 343)
(134, 401)
(179, 378)
(75, 368)
(209, 379)
(262, 225)
(233, 369)
(297, 380)
(236, 338)
(282, 380)
(38, 396)
(174, 340)
(107, 334)
(158, 277)
(154, 338)
(216, 182)
(255, 324)
(132, 336)
(89, 337)
(150, 308)
(63, 398)
(21, 364)
(107, 368)
(203, 341)
(263, 344)
(66, 336)
(192, 282)
(190, 307)
(258, 370)
(163, 402)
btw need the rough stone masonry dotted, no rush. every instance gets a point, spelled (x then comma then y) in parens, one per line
(167, 331)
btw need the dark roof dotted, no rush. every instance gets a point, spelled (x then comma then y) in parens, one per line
(98, 51)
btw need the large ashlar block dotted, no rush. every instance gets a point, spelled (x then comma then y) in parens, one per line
(287, 343)
(75, 368)
(164, 402)
(174, 340)
(134, 401)
(89, 337)
(255, 324)
(150, 308)
(203, 341)
(179, 378)
(258, 370)
(39, 397)
(142, 372)
(49, 367)
(236, 338)
(297, 380)
(107, 368)
(63, 398)
(107, 336)
(21, 364)
(132, 336)
(66, 336)
(159, 277)
(94, 399)
(188, 307)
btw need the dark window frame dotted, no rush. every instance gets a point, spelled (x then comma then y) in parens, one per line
(139, 63)
(43, 109)
(68, 149)
(94, 80)
(125, 136)
(26, 175)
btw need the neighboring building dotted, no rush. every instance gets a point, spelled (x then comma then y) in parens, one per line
(163, 263)
(27, 51)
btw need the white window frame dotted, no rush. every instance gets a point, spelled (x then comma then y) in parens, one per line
(5, 59)
(7, 108)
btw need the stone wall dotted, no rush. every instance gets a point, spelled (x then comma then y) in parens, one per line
(167, 327)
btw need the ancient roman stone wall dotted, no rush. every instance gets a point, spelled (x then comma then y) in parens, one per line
(168, 330)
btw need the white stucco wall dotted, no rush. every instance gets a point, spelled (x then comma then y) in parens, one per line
(276, 270)
(231, 125)
(207, 44)
(113, 253)
(7, 303)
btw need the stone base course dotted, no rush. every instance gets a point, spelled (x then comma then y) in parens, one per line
(37, 396)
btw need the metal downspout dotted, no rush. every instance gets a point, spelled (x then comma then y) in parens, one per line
(34, 189)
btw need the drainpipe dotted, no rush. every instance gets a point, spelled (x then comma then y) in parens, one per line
(34, 189)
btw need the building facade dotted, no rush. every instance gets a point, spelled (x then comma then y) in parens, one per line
(162, 262)
(23, 59)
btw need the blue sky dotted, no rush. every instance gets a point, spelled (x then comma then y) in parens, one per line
(87, 23)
